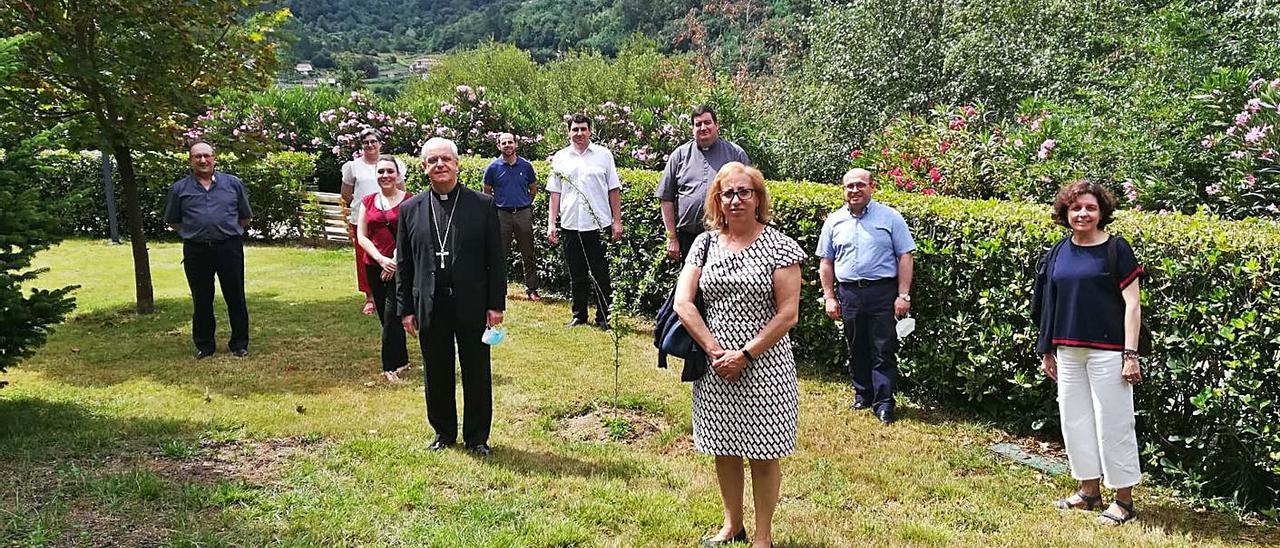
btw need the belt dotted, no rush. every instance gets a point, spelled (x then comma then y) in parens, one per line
(869, 283)
(515, 209)
(211, 242)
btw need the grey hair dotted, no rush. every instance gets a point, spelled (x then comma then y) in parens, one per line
(437, 141)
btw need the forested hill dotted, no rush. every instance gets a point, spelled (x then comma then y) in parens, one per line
(540, 26)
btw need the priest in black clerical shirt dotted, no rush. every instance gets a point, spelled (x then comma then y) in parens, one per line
(452, 285)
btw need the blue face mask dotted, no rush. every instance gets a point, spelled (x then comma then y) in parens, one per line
(494, 336)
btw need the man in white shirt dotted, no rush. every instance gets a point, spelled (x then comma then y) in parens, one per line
(586, 197)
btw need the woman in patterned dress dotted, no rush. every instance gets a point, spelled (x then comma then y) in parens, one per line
(746, 406)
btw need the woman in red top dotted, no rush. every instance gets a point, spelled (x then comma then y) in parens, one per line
(376, 235)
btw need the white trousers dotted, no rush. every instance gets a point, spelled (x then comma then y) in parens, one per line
(1096, 407)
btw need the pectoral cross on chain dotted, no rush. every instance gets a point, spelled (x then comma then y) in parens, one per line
(444, 256)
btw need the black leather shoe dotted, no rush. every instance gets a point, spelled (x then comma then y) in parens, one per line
(885, 415)
(240, 353)
(576, 322)
(740, 537)
(439, 444)
(480, 449)
(202, 354)
(603, 324)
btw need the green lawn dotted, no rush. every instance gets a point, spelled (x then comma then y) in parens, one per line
(113, 435)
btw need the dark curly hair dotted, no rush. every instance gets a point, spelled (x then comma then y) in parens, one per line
(1062, 202)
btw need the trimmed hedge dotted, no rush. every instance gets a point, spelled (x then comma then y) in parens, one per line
(73, 183)
(1208, 409)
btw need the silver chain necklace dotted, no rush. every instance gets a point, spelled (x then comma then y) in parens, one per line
(443, 254)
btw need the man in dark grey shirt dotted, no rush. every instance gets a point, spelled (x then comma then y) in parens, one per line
(690, 170)
(210, 210)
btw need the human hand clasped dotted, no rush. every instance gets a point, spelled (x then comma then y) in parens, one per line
(729, 365)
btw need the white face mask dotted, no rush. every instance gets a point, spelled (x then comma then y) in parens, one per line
(905, 326)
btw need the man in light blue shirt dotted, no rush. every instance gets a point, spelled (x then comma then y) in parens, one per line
(866, 272)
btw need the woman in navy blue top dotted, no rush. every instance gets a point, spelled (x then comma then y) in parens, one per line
(1086, 306)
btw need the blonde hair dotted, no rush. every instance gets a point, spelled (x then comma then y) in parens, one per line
(713, 216)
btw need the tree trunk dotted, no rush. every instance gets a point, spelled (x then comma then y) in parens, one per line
(137, 235)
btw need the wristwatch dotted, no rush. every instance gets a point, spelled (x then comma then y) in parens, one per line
(905, 296)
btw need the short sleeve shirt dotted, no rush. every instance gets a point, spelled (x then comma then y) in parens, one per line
(510, 182)
(209, 215)
(584, 180)
(1088, 310)
(364, 177)
(689, 173)
(865, 247)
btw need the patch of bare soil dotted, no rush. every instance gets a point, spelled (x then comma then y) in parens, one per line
(87, 526)
(258, 462)
(604, 424)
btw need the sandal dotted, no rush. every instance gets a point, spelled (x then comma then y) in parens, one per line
(390, 376)
(1112, 520)
(532, 295)
(1090, 502)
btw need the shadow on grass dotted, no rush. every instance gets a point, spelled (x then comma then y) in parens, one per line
(42, 431)
(540, 463)
(296, 347)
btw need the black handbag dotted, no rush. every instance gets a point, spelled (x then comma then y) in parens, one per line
(675, 339)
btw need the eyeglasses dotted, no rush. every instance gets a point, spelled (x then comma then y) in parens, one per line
(743, 194)
(858, 185)
(370, 141)
(438, 159)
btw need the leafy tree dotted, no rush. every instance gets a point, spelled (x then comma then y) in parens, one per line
(323, 60)
(366, 65)
(127, 71)
(25, 229)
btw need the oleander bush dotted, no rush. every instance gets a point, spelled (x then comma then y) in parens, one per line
(72, 184)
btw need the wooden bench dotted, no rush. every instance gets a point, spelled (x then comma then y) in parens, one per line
(336, 212)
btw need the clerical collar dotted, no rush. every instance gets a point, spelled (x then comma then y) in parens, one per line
(708, 147)
(449, 196)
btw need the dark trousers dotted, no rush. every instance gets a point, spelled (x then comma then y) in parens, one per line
(201, 262)
(395, 353)
(871, 340)
(588, 272)
(438, 341)
(685, 239)
(520, 225)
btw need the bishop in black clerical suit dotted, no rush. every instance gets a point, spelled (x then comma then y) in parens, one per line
(452, 285)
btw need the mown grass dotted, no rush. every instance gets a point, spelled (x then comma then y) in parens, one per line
(113, 435)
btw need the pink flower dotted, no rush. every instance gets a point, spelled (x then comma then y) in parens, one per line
(1249, 181)
(1018, 143)
(464, 89)
(1207, 142)
(337, 150)
(1213, 189)
(1231, 131)
(1237, 154)
(1045, 148)
(935, 175)
(917, 163)
(928, 192)
(968, 111)
(956, 123)
(1253, 105)
(884, 152)
(1243, 118)
(896, 172)
(855, 153)
(944, 146)
(1256, 134)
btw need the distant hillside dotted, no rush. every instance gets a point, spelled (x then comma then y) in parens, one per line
(733, 33)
